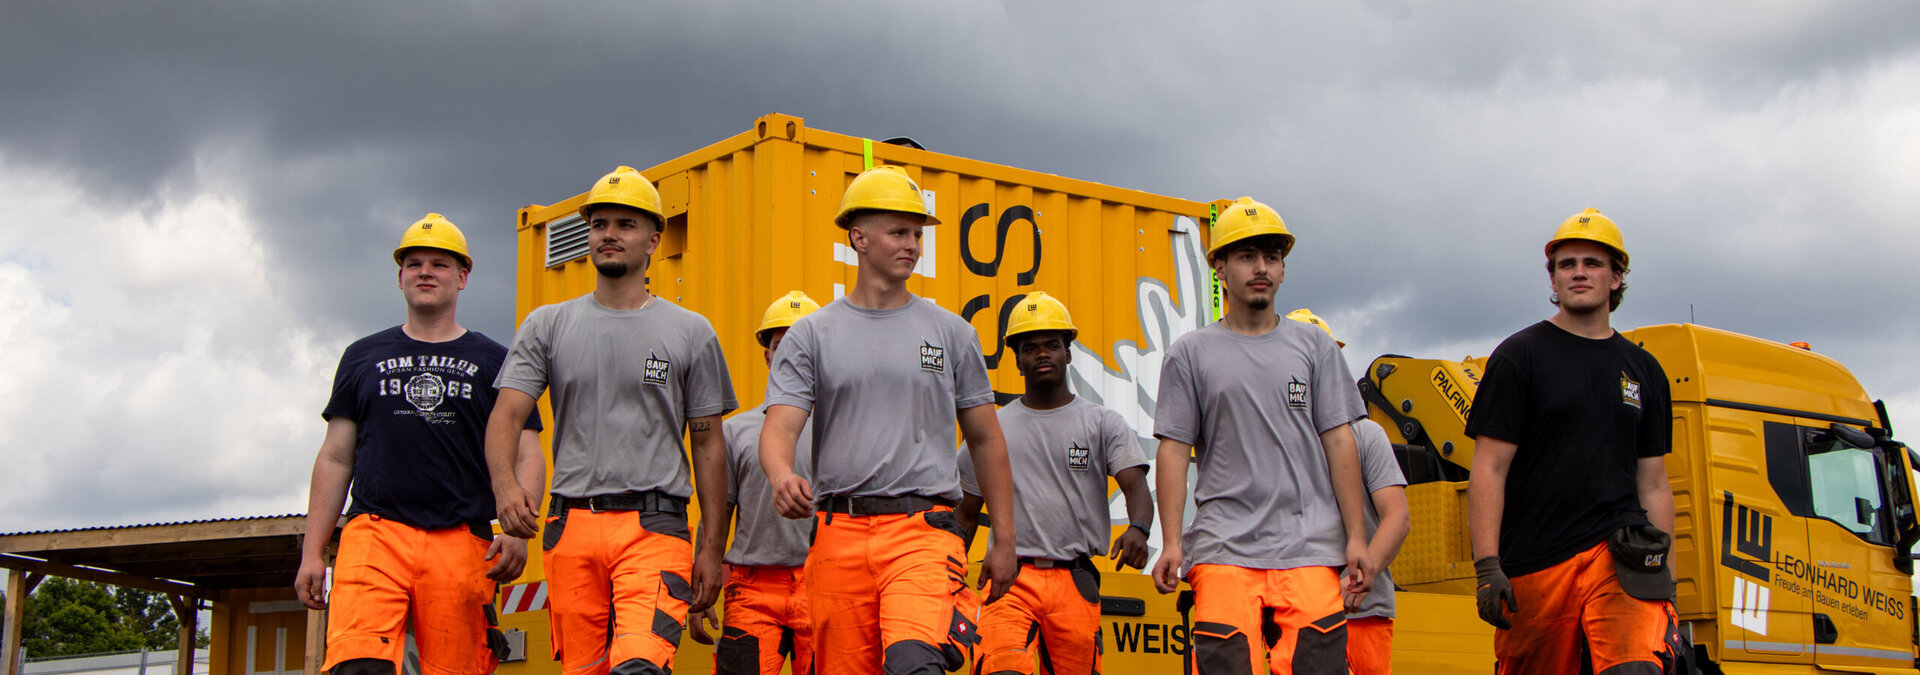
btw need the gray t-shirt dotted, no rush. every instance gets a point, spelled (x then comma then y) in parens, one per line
(1253, 407)
(885, 388)
(761, 536)
(1379, 470)
(623, 385)
(1061, 459)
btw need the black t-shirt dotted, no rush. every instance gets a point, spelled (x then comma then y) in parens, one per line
(422, 408)
(1583, 413)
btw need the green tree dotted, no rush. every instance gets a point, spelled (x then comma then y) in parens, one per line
(67, 617)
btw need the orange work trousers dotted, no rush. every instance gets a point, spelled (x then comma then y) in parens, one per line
(887, 594)
(1295, 614)
(388, 571)
(1370, 645)
(1579, 603)
(766, 621)
(626, 571)
(1052, 614)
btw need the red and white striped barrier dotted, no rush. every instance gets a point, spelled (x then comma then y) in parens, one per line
(523, 597)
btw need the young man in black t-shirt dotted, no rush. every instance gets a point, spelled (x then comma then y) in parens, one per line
(1572, 425)
(405, 426)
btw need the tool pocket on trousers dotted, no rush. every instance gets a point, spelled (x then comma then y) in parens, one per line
(667, 625)
(665, 523)
(1088, 583)
(1220, 648)
(944, 521)
(737, 654)
(550, 535)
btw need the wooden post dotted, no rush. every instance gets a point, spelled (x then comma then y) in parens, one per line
(316, 642)
(187, 610)
(19, 585)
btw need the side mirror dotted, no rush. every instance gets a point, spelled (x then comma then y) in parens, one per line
(1851, 436)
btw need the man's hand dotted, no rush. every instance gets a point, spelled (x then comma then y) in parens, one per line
(1000, 569)
(708, 576)
(698, 632)
(1130, 550)
(1351, 601)
(793, 497)
(1494, 590)
(1360, 569)
(517, 511)
(509, 556)
(1166, 572)
(310, 585)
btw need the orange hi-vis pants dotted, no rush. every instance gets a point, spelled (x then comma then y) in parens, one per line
(624, 570)
(765, 615)
(387, 570)
(887, 592)
(1370, 645)
(1295, 613)
(1052, 613)
(1576, 602)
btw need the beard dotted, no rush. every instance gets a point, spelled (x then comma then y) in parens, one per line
(1259, 303)
(611, 270)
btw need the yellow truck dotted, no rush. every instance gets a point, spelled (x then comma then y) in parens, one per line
(1782, 560)
(1794, 505)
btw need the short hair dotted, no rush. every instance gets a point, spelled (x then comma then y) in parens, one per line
(1619, 264)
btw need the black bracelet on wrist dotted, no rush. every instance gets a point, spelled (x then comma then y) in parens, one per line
(1144, 530)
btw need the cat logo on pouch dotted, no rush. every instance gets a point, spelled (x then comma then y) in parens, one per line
(657, 371)
(932, 359)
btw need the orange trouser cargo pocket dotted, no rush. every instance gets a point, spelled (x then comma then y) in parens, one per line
(1576, 602)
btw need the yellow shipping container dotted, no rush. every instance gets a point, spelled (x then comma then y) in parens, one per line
(751, 217)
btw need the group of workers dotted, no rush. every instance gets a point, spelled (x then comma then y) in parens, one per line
(837, 516)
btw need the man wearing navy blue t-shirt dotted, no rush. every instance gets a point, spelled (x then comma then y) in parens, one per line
(405, 428)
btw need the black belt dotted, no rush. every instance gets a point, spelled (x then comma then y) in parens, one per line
(651, 501)
(881, 506)
(1082, 562)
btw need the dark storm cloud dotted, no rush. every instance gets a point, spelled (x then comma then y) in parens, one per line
(1752, 150)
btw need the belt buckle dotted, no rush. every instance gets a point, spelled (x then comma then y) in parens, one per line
(1045, 563)
(595, 505)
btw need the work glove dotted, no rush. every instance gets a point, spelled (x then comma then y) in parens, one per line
(1492, 590)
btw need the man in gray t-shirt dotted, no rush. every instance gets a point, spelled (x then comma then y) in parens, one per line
(1062, 449)
(628, 373)
(1265, 406)
(766, 595)
(886, 377)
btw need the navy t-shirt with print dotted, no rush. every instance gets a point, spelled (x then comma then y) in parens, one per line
(422, 409)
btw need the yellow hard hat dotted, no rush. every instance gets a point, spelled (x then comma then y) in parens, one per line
(1306, 316)
(1040, 312)
(884, 188)
(1246, 218)
(1591, 226)
(783, 312)
(625, 187)
(434, 231)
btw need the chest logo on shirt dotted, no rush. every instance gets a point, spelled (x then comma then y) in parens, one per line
(1629, 390)
(933, 359)
(657, 371)
(1297, 394)
(426, 391)
(1079, 458)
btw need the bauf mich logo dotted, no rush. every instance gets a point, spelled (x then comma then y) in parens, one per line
(1079, 458)
(657, 371)
(1297, 394)
(1629, 390)
(932, 359)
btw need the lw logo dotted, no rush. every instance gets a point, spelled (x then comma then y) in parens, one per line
(932, 359)
(1750, 534)
(1297, 394)
(1079, 458)
(657, 371)
(426, 391)
(1629, 390)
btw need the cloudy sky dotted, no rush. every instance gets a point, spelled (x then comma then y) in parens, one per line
(200, 198)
